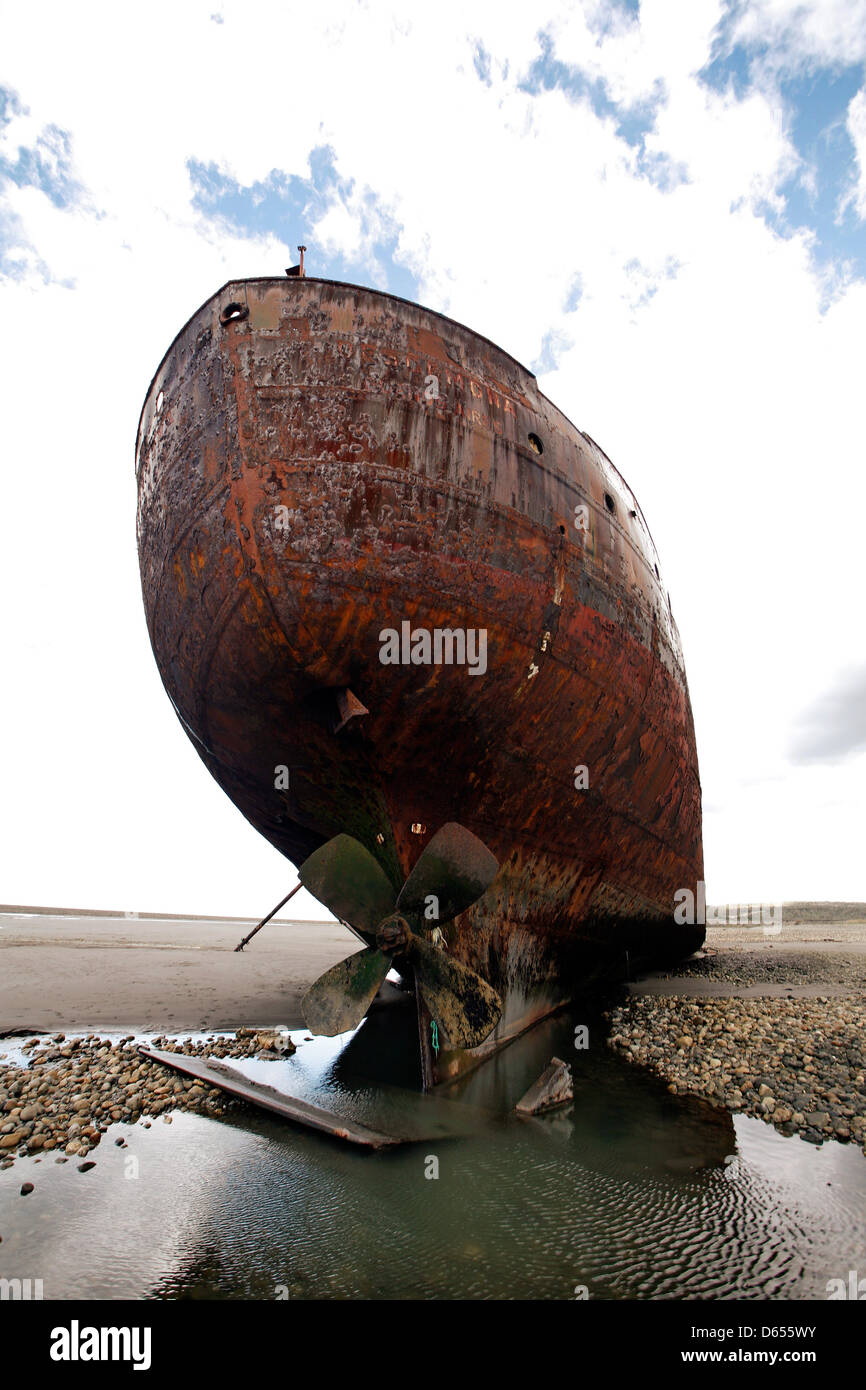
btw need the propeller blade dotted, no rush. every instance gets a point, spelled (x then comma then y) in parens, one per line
(463, 1004)
(456, 868)
(344, 876)
(339, 999)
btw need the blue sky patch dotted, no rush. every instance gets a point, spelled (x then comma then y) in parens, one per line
(290, 206)
(819, 104)
(553, 345)
(481, 63)
(816, 102)
(575, 294)
(730, 69)
(631, 123)
(46, 165)
(619, 14)
(547, 73)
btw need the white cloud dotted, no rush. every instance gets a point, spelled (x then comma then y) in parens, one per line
(856, 125)
(801, 33)
(669, 45)
(702, 357)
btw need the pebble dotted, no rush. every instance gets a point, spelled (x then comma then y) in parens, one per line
(798, 1064)
(66, 1097)
(785, 966)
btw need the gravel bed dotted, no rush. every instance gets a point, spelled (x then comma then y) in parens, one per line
(775, 966)
(798, 1064)
(70, 1092)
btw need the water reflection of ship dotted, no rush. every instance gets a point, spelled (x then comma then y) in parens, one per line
(621, 1119)
(206, 1273)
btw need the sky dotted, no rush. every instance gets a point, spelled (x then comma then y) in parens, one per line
(658, 207)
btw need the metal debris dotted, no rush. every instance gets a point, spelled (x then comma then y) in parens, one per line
(554, 1087)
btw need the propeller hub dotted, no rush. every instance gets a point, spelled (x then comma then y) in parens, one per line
(393, 934)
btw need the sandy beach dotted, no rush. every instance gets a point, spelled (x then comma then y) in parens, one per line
(155, 974)
(804, 960)
(145, 974)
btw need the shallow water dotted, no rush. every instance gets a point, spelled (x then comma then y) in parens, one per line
(629, 1192)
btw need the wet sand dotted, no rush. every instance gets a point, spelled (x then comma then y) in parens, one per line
(805, 961)
(80, 973)
(146, 974)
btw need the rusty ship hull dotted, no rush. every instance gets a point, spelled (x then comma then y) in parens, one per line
(320, 463)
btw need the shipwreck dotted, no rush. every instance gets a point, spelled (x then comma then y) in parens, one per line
(414, 622)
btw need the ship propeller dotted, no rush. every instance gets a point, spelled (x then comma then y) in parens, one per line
(453, 871)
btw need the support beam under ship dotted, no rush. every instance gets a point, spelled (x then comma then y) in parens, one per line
(320, 463)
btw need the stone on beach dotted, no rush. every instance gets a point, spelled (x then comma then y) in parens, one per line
(751, 1056)
(67, 1098)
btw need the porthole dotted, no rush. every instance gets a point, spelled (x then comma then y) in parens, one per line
(535, 444)
(233, 313)
(610, 504)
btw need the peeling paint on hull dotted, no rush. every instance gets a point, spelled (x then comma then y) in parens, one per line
(331, 462)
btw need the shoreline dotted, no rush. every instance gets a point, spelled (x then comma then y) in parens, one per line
(770, 1027)
(775, 1025)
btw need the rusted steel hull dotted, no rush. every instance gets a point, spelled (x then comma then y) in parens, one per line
(327, 462)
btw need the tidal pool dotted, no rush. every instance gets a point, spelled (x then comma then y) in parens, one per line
(628, 1193)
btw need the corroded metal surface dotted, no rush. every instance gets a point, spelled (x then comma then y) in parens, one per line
(463, 1003)
(555, 1086)
(337, 1002)
(234, 1082)
(453, 871)
(327, 462)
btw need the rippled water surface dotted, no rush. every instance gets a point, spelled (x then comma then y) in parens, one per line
(630, 1192)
